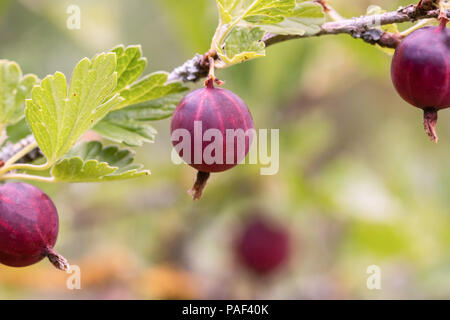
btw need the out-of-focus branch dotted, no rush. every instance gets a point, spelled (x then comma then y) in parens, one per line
(10, 149)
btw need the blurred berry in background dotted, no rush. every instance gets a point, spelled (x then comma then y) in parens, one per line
(263, 246)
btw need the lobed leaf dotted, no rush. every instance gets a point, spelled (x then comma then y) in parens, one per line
(153, 86)
(91, 162)
(59, 117)
(14, 89)
(269, 11)
(130, 132)
(254, 10)
(304, 20)
(243, 44)
(130, 125)
(236, 44)
(77, 170)
(130, 65)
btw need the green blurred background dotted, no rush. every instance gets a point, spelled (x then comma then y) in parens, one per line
(359, 182)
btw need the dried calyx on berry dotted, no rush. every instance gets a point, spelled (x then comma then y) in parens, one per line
(28, 227)
(421, 72)
(212, 130)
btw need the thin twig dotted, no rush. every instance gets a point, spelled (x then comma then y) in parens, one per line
(364, 27)
(357, 27)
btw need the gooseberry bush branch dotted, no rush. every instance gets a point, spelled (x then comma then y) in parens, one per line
(42, 122)
(377, 27)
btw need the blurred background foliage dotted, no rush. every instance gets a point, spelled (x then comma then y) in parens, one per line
(359, 183)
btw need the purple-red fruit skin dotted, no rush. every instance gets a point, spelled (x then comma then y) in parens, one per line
(421, 68)
(263, 246)
(216, 108)
(28, 224)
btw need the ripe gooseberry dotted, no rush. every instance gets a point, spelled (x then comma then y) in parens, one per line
(28, 226)
(219, 129)
(421, 72)
(262, 246)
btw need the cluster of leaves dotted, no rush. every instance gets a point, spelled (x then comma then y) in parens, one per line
(106, 95)
(243, 23)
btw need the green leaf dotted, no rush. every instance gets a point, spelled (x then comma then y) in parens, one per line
(91, 162)
(130, 65)
(14, 89)
(17, 131)
(151, 110)
(255, 11)
(59, 117)
(77, 170)
(129, 125)
(147, 99)
(269, 11)
(290, 16)
(151, 87)
(235, 41)
(224, 15)
(304, 20)
(130, 132)
(243, 44)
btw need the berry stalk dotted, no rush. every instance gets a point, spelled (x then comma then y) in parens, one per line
(56, 259)
(199, 185)
(430, 117)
